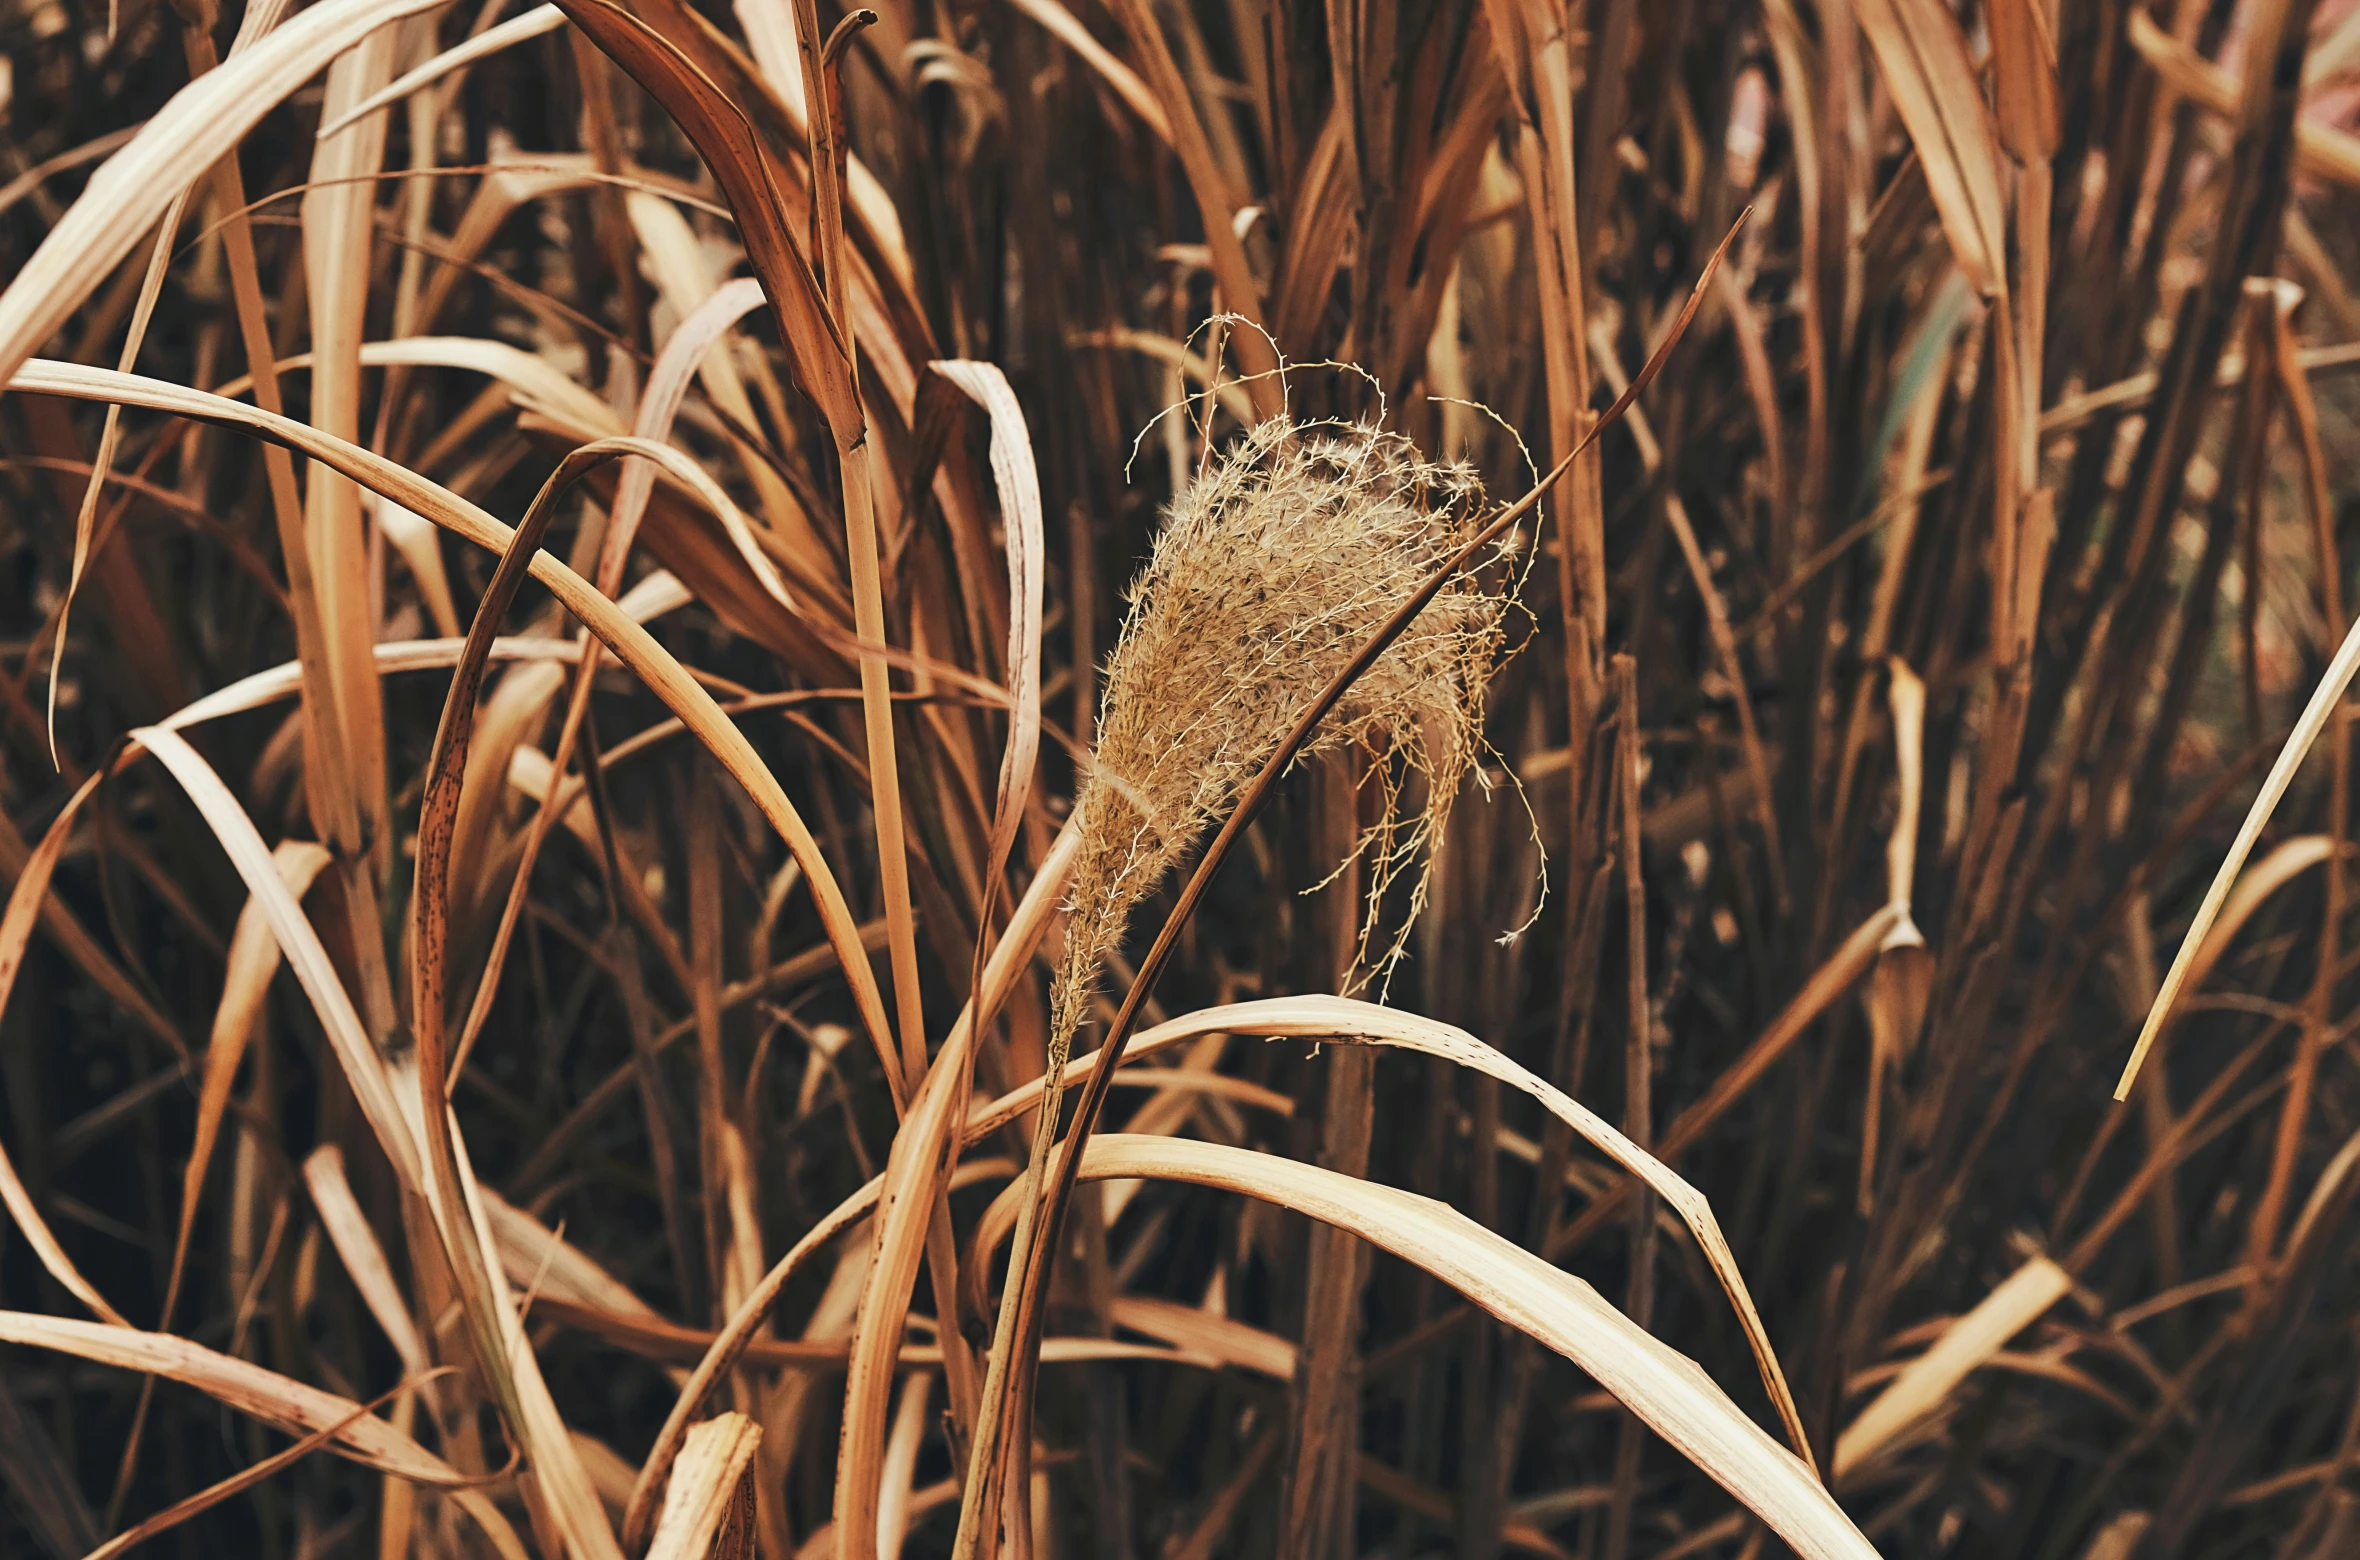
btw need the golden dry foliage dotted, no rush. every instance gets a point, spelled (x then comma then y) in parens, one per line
(625, 622)
(1271, 568)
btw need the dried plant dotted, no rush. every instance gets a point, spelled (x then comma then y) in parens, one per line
(1290, 549)
(573, 764)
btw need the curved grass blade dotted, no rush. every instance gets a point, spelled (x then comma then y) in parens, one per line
(1661, 1386)
(630, 642)
(2316, 714)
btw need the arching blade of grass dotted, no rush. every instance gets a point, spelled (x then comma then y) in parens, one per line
(2316, 714)
(195, 129)
(631, 643)
(1663, 1387)
(267, 1395)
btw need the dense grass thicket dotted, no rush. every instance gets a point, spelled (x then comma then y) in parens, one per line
(1167, 778)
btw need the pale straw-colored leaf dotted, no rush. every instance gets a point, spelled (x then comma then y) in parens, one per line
(238, 1483)
(901, 1463)
(1927, 1381)
(631, 643)
(197, 127)
(1664, 1388)
(364, 1259)
(922, 1143)
(1067, 29)
(297, 938)
(253, 961)
(1199, 1331)
(2200, 948)
(540, 20)
(1923, 57)
(709, 1505)
(266, 1395)
(16, 931)
(2320, 149)
(1345, 1020)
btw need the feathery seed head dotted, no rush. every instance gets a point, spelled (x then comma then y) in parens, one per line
(1273, 567)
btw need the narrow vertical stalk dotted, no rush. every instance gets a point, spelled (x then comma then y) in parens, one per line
(857, 473)
(1638, 1076)
(1316, 1519)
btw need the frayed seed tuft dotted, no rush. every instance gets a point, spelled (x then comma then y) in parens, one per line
(1274, 566)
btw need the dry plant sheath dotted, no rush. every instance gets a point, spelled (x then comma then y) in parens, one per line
(626, 622)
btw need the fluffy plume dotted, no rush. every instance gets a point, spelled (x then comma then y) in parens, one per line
(1273, 567)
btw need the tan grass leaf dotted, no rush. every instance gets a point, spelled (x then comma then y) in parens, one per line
(1923, 56)
(364, 1259)
(268, 1396)
(1970, 1341)
(237, 1483)
(923, 1142)
(16, 931)
(2320, 150)
(306, 957)
(631, 643)
(1067, 29)
(540, 20)
(1662, 1387)
(1222, 1338)
(198, 126)
(253, 961)
(1347, 1021)
(709, 1505)
(2232, 900)
(725, 138)
(1238, 295)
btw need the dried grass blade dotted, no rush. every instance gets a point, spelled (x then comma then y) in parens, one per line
(1239, 295)
(364, 1259)
(1021, 1318)
(534, 1255)
(1902, 984)
(339, 213)
(268, 1396)
(725, 138)
(253, 961)
(2024, 69)
(709, 1506)
(1019, 484)
(151, 285)
(1851, 960)
(572, 1504)
(2321, 150)
(1968, 1342)
(630, 642)
(2316, 714)
(1067, 29)
(245, 1479)
(905, 1213)
(540, 20)
(16, 931)
(201, 123)
(1348, 1021)
(901, 1464)
(879, 1300)
(727, 1348)
(1221, 1338)
(297, 939)
(1663, 1387)
(1923, 57)
(667, 387)
(74, 940)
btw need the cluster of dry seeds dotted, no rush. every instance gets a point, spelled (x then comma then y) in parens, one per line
(1274, 566)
